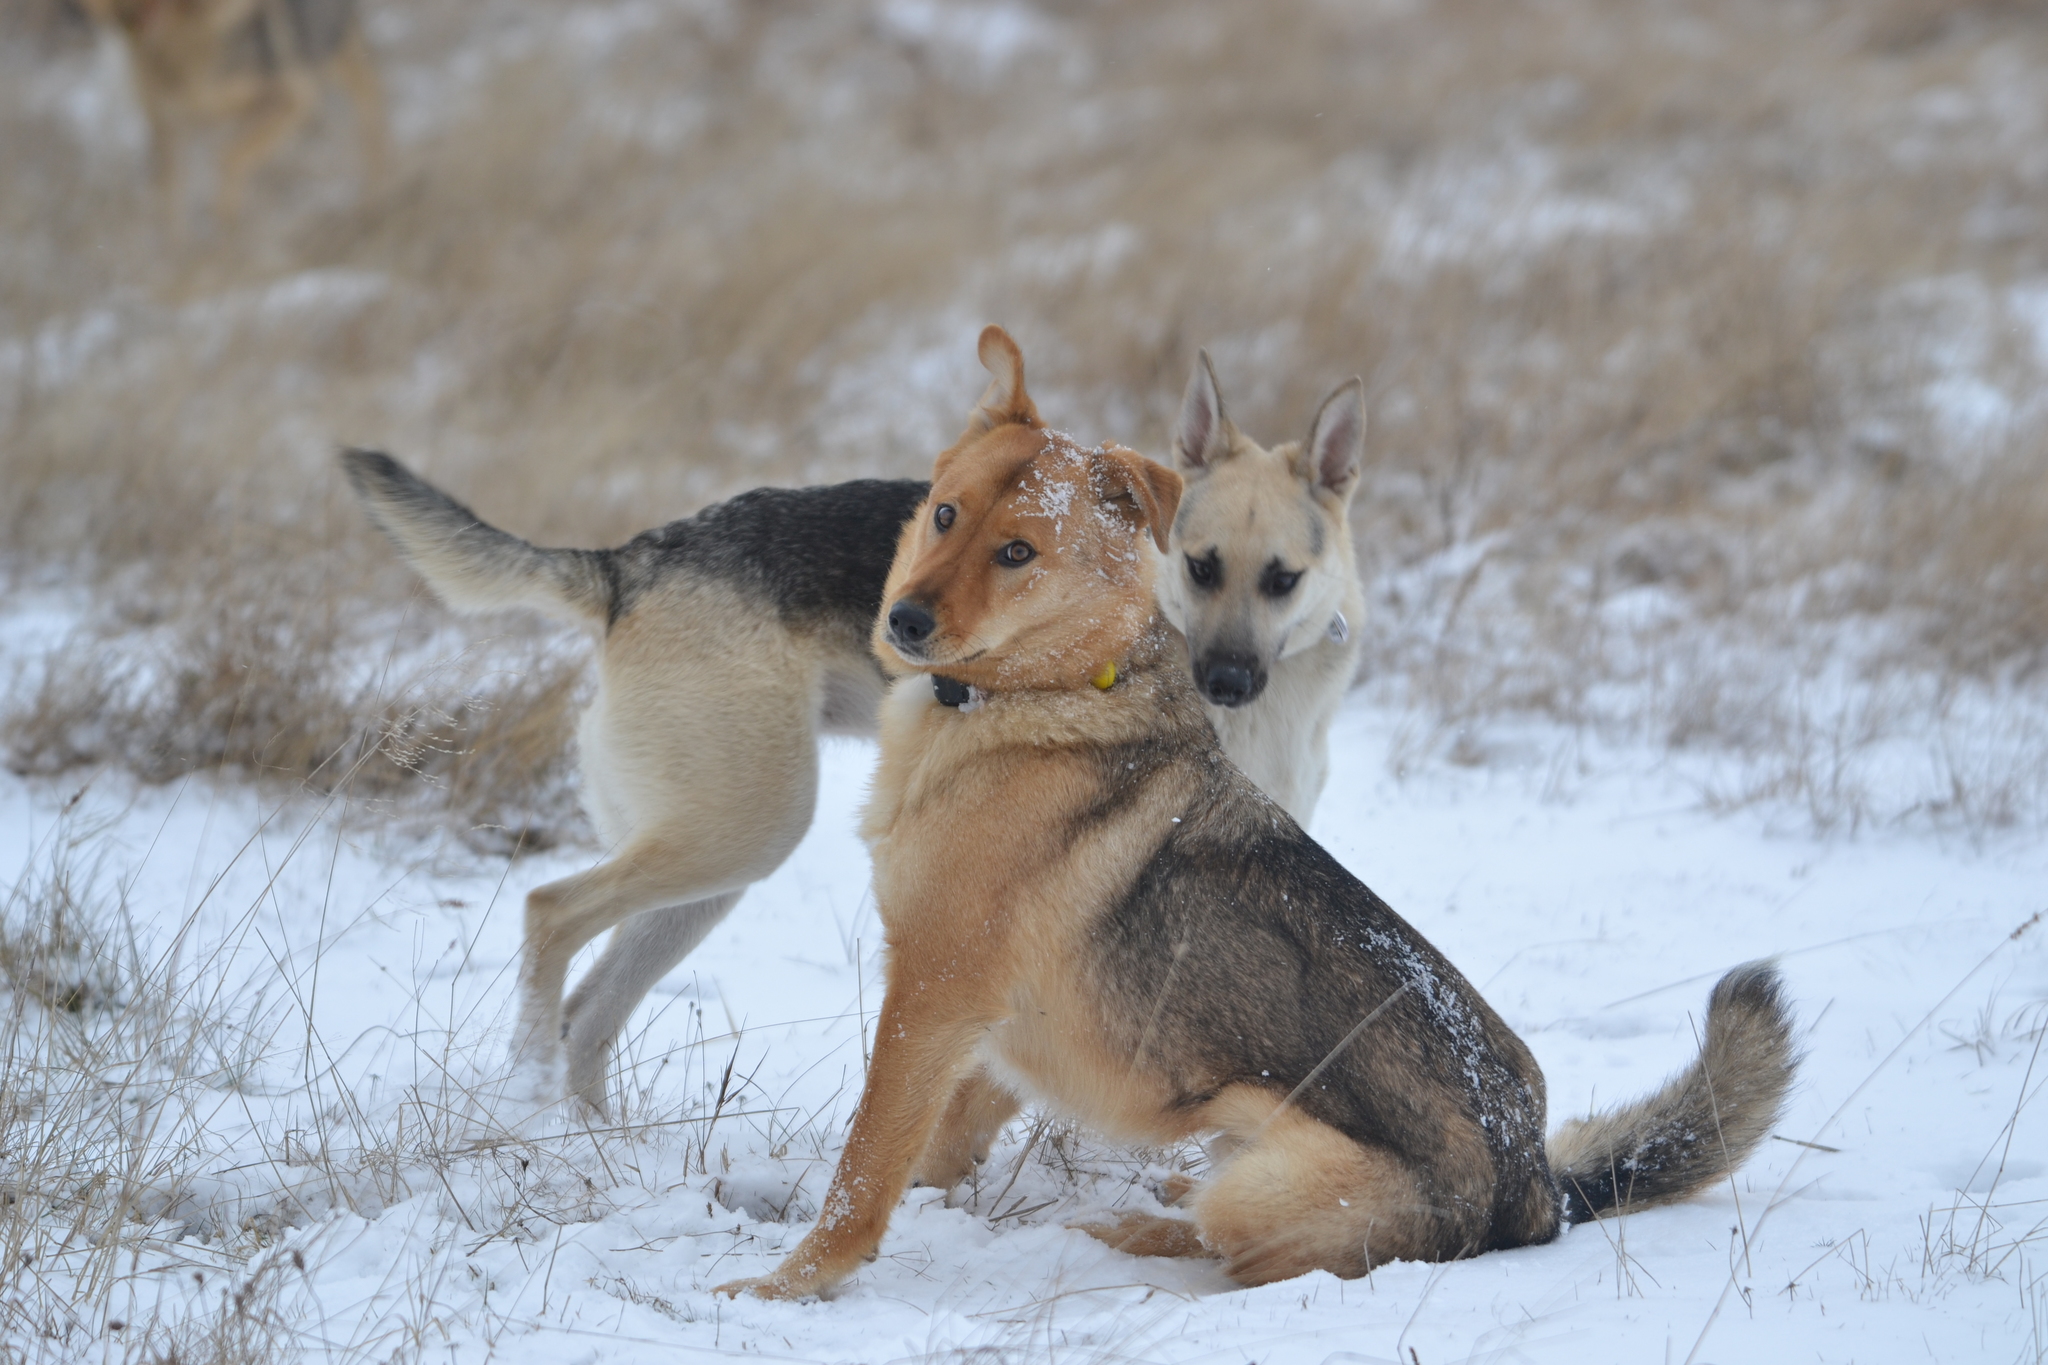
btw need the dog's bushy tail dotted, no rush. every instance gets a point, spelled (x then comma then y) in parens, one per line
(1702, 1124)
(470, 564)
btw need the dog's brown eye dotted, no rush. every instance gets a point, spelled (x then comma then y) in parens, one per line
(943, 518)
(1203, 571)
(1017, 552)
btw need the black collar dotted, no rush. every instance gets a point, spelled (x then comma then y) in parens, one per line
(948, 692)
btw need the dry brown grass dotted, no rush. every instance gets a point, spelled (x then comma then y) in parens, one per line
(1633, 286)
(103, 1044)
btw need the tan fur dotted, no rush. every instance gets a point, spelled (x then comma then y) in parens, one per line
(1006, 833)
(666, 707)
(978, 1110)
(234, 62)
(699, 750)
(1299, 1197)
(969, 975)
(698, 753)
(1282, 1203)
(985, 950)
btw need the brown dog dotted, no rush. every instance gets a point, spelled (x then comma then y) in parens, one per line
(253, 64)
(1086, 902)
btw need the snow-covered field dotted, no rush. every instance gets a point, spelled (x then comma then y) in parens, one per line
(1705, 525)
(342, 1180)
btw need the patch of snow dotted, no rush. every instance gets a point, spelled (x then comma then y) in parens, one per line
(891, 391)
(1510, 205)
(2028, 303)
(992, 36)
(95, 98)
(1092, 256)
(1954, 355)
(1594, 923)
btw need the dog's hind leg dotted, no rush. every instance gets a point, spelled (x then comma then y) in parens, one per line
(699, 760)
(275, 119)
(693, 841)
(649, 873)
(1301, 1196)
(164, 180)
(1137, 1233)
(640, 953)
(357, 73)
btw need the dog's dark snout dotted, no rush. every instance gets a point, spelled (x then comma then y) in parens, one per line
(911, 622)
(1230, 680)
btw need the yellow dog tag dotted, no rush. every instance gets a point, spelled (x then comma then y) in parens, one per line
(1106, 679)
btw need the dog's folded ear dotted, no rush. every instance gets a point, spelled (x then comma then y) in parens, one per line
(1335, 449)
(1004, 401)
(1123, 475)
(1201, 436)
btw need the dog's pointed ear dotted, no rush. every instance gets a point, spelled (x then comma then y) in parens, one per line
(1152, 488)
(1335, 450)
(1004, 400)
(1201, 436)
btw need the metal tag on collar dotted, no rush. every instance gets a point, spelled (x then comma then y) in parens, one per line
(1340, 629)
(949, 692)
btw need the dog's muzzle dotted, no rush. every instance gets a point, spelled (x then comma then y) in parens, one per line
(1230, 679)
(911, 625)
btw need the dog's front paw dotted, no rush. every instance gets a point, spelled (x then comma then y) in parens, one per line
(1136, 1233)
(942, 1172)
(533, 1090)
(766, 1287)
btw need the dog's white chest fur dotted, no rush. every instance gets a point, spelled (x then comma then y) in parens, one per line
(1280, 740)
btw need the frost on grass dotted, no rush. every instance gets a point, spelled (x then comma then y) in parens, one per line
(429, 728)
(1678, 462)
(1666, 443)
(115, 1058)
(178, 1136)
(313, 1018)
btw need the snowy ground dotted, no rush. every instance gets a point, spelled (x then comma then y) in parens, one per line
(369, 978)
(249, 1080)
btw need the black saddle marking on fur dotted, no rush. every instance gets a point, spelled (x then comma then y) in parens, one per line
(1255, 953)
(948, 692)
(817, 555)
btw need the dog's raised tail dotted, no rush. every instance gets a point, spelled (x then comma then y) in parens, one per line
(1703, 1123)
(470, 564)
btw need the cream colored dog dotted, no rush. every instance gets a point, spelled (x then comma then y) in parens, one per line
(1264, 584)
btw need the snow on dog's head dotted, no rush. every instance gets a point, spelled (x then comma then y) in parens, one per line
(1028, 565)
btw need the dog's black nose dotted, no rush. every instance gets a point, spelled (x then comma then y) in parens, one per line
(911, 623)
(1231, 681)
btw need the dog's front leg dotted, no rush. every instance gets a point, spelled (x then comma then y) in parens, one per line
(163, 169)
(980, 1107)
(923, 1042)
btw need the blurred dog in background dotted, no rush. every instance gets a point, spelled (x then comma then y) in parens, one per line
(257, 66)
